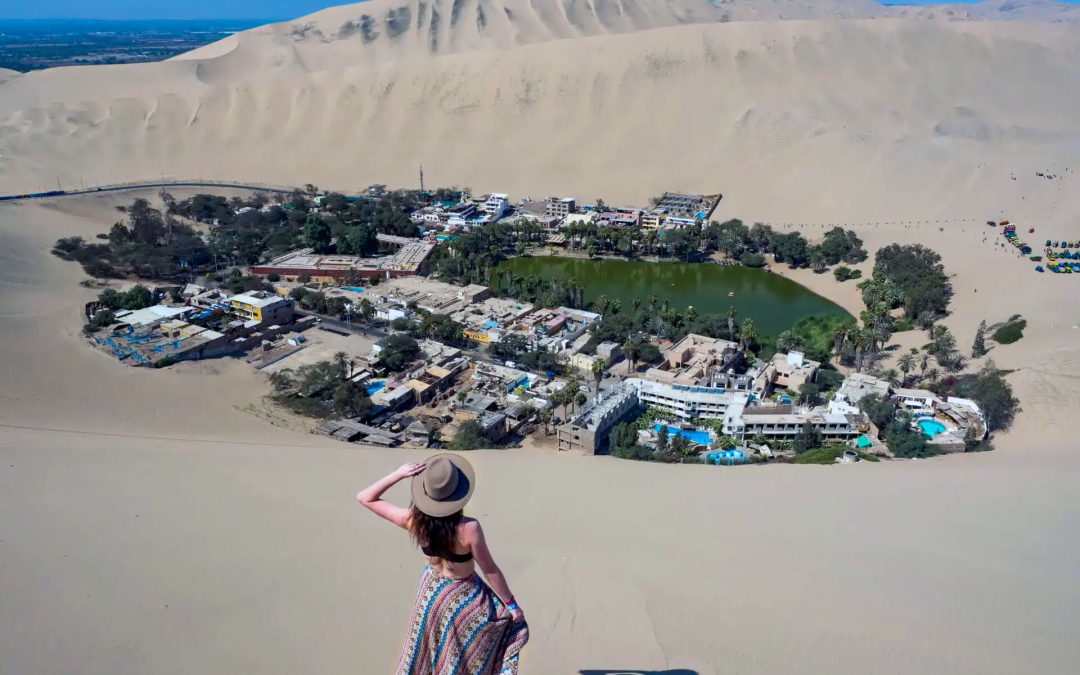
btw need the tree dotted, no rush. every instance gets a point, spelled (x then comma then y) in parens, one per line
(878, 408)
(623, 435)
(995, 397)
(349, 400)
(545, 419)
(600, 305)
(730, 314)
(808, 438)
(317, 233)
(360, 240)
(597, 368)
(398, 351)
(810, 394)
(469, 436)
(662, 438)
(789, 341)
(905, 442)
(918, 274)
(840, 246)
(790, 247)
(681, 447)
(892, 376)
(138, 297)
(747, 334)
(906, 363)
(631, 350)
(978, 348)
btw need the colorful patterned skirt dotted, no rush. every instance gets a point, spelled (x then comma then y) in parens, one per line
(460, 626)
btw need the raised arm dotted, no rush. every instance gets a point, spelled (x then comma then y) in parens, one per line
(474, 536)
(371, 496)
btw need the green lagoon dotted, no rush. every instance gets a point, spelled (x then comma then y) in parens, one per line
(773, 302)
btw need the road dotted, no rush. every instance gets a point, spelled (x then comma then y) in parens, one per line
(118, 187)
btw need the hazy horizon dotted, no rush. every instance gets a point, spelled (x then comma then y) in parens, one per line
(166, 10)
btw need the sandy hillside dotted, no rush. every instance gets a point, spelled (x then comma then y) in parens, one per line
(813, 119)
(144, 512)
(154, 522)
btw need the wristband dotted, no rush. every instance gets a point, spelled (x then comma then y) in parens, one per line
(512, 605)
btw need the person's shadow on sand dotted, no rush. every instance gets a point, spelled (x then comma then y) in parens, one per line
(632, 671)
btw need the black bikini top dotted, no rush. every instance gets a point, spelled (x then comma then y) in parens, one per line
(450, 557)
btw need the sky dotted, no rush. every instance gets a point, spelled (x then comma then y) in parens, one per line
(161, 9)
(183, 9)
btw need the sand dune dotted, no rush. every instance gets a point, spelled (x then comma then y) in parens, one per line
(817, 120)
(166, 522)
(144, 512)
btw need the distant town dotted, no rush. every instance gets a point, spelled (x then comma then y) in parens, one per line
(386, 319)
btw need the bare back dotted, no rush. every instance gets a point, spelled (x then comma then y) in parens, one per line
(463, 547)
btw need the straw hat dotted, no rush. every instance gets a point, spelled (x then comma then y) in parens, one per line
(444, 486)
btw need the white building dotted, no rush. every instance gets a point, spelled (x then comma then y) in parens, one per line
(688, 402)
(495, 206)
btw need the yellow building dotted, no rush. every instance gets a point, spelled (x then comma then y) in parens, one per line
(266, 308)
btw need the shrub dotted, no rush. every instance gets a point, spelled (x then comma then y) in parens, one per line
(273, 277)
(1010, 332)
(752, 260)
(842, 273)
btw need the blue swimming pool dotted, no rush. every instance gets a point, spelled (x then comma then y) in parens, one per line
(699, 437)
(930, 427)
(726, 456)
(373, 387)
(356, 289)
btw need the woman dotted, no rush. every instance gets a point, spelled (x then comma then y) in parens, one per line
(459, 624)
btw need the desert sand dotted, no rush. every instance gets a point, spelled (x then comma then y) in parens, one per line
(888, 114)
(155, 521)
(166, 522)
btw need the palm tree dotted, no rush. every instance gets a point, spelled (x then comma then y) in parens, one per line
(545, 417)
(630, 348)
(342, 361)
(691, 314)
(906, 363)
(860, 338)
(892, 376)
(731, 314)
(635, 302)
(580, 399)
(923, 361)
(616, 306)
(601, 304)
(597, 367)
(747, 333)
(933, 375)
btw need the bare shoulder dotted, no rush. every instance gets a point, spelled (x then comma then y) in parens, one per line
(470, 529)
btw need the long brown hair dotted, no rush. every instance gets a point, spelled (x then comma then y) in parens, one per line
(438, 534)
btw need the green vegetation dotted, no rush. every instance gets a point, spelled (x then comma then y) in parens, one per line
(137, 297)
(241, 232)
(905, 442)
(978, 346)
(818, 334)
(321, 389)
(100, 319)
(1010, 332)
(909, 276)
(879, 409)
(398, 351)
(993, 394)
(469, 436)
(828, 454)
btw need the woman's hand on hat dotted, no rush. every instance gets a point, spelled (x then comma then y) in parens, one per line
(407, 470)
